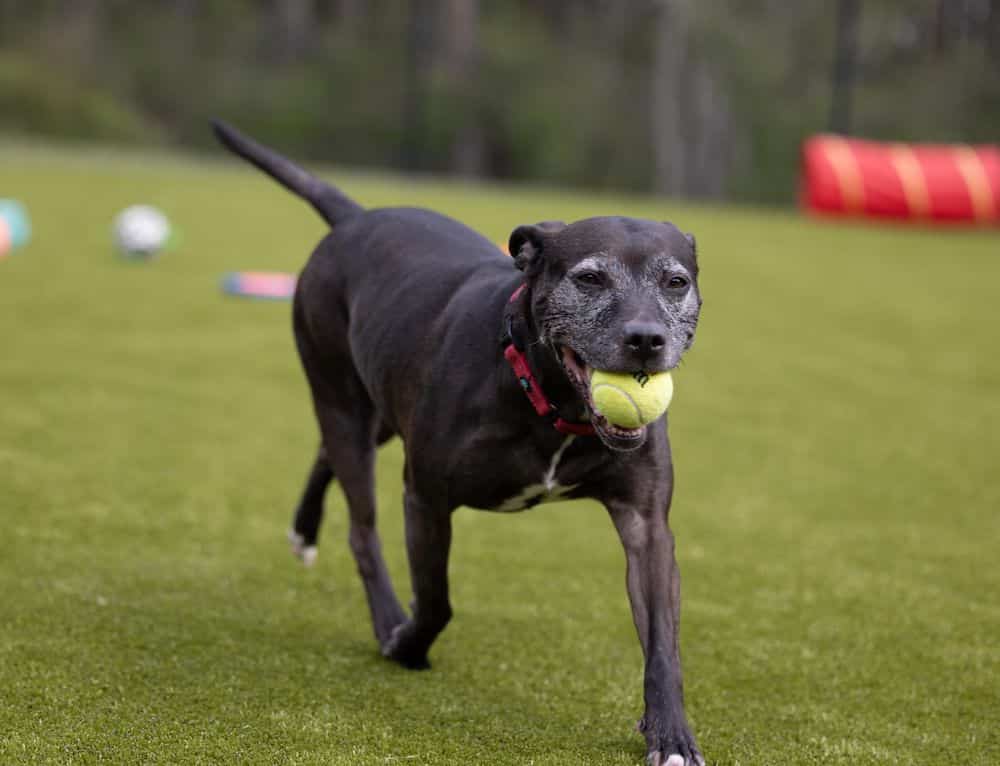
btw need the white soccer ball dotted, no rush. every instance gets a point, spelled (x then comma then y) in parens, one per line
(141, 231)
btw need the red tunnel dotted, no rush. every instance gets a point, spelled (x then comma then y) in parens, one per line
(920, 182)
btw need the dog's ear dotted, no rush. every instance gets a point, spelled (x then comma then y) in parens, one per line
(694, 244)
(527, 243)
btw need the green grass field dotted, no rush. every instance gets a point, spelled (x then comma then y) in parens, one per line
(836, 433)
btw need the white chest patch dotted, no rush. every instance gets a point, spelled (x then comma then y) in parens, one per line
(547, 491)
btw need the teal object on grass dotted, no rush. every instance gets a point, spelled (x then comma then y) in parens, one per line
(15, 226)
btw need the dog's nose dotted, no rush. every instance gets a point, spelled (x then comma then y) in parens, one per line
(644, 339)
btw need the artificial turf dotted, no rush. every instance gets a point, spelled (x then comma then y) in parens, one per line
(836, 432)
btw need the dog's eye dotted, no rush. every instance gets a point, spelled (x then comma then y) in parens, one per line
(677, 282)
(591, 278)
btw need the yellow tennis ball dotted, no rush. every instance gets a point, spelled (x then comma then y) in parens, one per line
(630, 399)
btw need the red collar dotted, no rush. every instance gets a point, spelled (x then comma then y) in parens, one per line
(514, 354)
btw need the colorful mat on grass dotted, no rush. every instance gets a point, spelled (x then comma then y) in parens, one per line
(262, 285)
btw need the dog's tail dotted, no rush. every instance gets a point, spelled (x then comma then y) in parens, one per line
(331, 203)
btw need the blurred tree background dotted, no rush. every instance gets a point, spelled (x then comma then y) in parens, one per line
(695, 98)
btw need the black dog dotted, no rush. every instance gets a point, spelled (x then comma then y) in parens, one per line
(409, 323)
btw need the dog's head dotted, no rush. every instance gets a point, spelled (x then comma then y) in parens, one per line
(617, 294)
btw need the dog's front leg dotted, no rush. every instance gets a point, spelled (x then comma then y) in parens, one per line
(655, 592)
(428, 540)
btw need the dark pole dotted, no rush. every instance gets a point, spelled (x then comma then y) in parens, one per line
(845, 66)
(993, 31)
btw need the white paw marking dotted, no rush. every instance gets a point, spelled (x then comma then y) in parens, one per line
(675, 760)
(306, 553)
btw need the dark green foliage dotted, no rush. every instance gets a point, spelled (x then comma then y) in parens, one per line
(566, 91)
(39, 101)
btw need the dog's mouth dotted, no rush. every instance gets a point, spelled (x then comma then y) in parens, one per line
(614, 437)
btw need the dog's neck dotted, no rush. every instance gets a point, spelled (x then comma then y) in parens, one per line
(545, 366)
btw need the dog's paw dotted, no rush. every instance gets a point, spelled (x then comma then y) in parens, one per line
(402, 648)
(656, 758)
(305, 553)
(675, 749)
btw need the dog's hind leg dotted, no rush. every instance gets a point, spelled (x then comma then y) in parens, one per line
(350, 440)
(309, 513)
(351, 430)
(304, 532)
